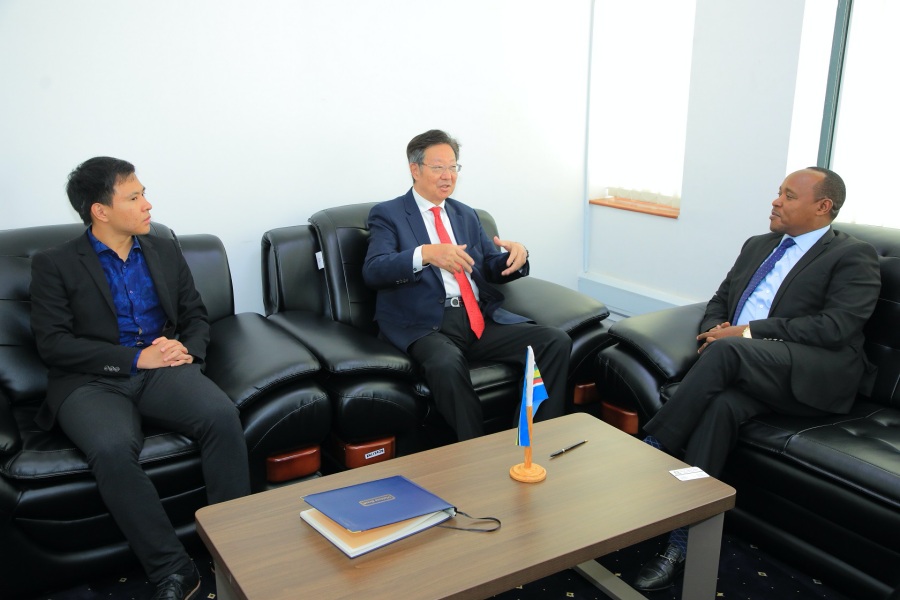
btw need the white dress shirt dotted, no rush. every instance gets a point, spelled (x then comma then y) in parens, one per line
(451, 286)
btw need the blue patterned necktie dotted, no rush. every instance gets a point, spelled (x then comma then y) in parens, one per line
(763, 270)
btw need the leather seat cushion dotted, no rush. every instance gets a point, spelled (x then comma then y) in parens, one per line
(47, 454)
(860, 450)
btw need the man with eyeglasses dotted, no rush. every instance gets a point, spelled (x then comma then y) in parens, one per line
(435, 271)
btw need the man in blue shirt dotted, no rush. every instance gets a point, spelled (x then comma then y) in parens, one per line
(783, 334)
(123, 330)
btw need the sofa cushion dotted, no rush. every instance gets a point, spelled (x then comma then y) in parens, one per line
(860, 450)
(46, 454)
(343, 349)
(249, 356)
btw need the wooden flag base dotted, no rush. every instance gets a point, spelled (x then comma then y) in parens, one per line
(530, 474)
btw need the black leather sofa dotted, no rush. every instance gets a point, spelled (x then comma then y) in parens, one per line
(313, 287)
(54, 528)
(823, 493)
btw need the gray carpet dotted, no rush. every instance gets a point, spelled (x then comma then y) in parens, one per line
(745, 573)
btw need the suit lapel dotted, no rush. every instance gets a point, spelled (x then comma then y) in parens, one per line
(414, 218)
(417, 227)
(812, 254)
(456, 222)
(91, 263)
(157, 274)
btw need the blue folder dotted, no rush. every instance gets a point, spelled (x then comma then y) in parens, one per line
(376, 503)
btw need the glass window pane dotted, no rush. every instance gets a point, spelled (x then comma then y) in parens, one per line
(640, 78)
(812, 81)
(868, 122)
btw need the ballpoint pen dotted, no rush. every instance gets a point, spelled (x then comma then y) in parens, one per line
(566, 449)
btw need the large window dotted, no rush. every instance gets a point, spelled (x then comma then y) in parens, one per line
(867, 129)
(640, 77)
(811, 91)
(848, 61)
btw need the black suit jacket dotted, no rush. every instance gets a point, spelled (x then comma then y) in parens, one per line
(411, 305)
(819, 312)
(74, 320)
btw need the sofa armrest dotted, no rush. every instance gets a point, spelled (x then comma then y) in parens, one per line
(667, 339)
(551, 304)
(10, 439)
(248, 355)
(343, 349)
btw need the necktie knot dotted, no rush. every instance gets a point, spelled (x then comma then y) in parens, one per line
(786, 243)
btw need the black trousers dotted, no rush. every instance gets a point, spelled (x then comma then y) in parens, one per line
(733, 380)
(103, 419)
(443, 357)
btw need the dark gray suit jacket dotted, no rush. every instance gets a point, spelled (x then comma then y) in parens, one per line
(819, 312)
(74, 320)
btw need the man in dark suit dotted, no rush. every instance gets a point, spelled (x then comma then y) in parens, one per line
(783, 334)
(123, 330)
(435, 270)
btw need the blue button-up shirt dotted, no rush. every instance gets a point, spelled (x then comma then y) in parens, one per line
(139, 314)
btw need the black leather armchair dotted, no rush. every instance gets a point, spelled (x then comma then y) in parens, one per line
(374, 386)
(53, 525)
(823, 493)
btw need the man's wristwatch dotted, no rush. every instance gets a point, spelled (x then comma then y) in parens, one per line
(746, 332)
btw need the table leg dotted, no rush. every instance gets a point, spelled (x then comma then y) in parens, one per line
(608, 583)
(224, 591)
(701, 568)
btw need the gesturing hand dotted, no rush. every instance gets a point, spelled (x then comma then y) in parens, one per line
(449, 257)
(518, 255)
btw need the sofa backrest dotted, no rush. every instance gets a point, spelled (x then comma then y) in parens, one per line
(206, 257)
(343, 235)
(23, 376)
(291, 278)
(883, 328)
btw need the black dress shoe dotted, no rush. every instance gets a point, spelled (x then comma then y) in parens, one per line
(660, 572)
(178, 586)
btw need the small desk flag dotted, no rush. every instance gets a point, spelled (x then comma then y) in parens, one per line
(533, 393)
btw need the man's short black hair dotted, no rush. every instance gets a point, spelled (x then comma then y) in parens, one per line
(832, 186)
(94, 181)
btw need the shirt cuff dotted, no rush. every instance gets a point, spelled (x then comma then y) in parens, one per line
(417, 259)
(134, 368)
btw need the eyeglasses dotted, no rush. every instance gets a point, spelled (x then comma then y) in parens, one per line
(439, 169)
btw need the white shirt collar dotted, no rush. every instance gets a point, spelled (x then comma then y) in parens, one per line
(806, 240)
(423, 204)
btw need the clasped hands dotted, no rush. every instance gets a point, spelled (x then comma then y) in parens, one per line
(163, 352)
(454, 258)
(720, 331)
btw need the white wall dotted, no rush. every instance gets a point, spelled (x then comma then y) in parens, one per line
(243, 116)
(741, 99)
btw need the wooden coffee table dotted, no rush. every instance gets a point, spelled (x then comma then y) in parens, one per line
(605, 495)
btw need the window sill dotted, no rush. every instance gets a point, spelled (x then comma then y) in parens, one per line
(641, 206)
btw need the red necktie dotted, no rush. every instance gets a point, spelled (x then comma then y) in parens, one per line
(476, 319)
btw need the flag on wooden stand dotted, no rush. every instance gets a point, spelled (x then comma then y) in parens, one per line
(533, 393)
